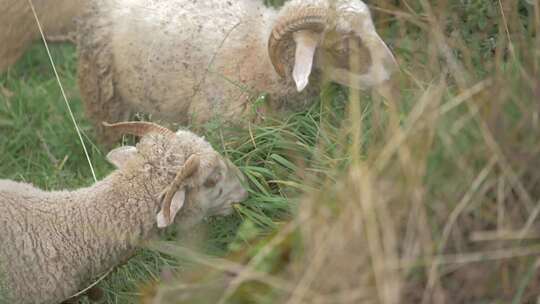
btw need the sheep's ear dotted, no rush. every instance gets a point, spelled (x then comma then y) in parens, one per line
(176, 204)
(121, 155)
(306, 44)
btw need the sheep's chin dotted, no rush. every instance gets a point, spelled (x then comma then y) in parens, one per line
(226, 211)
(222, 210)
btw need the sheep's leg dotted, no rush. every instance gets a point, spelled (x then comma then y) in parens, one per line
(99, 99)
(96, 76)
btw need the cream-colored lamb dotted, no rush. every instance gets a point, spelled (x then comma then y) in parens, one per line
(53, 244)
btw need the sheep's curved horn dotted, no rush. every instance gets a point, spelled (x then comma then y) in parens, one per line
(138, 128)
(311, 19)
(188, 169)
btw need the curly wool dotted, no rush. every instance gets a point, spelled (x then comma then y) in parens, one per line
(55, 243)
(191, 61)
(123, 69)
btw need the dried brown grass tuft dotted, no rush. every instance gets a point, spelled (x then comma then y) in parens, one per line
(439, 205)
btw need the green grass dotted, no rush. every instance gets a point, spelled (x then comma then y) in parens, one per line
(39, 142)
(40, 145)
(424, 179)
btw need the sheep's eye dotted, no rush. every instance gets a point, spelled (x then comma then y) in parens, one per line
(212, 180)
(210, 183)
(343, 41)
(341, 48)
(349, 54)
(338, 49)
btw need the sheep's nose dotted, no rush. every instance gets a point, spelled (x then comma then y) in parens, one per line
(241, 195)
(241, 192)
(245, 195)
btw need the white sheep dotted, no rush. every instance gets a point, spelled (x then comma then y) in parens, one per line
(188, 61)
(18, 27)
(52, 244)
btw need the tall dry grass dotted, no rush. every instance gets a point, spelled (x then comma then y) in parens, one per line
(433, 198)
(430, 198)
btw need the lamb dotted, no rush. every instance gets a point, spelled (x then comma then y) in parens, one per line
(18, 26)
(190, 61)
(54, 243)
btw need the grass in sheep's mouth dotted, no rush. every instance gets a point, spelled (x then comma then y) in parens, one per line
(430, 196)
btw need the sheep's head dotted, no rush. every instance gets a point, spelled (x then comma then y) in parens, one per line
(336, 37)
(195, 178)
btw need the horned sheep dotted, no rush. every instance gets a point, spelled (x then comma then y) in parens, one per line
(52, 244)
(190, 61)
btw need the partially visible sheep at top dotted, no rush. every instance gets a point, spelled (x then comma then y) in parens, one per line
(18, 26)
(189, 61)
(54, 243)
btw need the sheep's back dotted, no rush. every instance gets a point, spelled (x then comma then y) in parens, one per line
(51, 246)
(33, 264)
(177, 58)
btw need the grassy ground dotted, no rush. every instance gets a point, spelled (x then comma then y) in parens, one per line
(432, 199)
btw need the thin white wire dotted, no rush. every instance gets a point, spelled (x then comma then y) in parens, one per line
(63, 92)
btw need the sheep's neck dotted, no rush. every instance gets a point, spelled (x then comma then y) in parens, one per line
(115, 215)
(72, 237)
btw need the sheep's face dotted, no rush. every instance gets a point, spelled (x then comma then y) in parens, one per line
(351, 52)
(339, 40)
(220, 189)
(190, 177)
(343, 52)
(211, 191)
